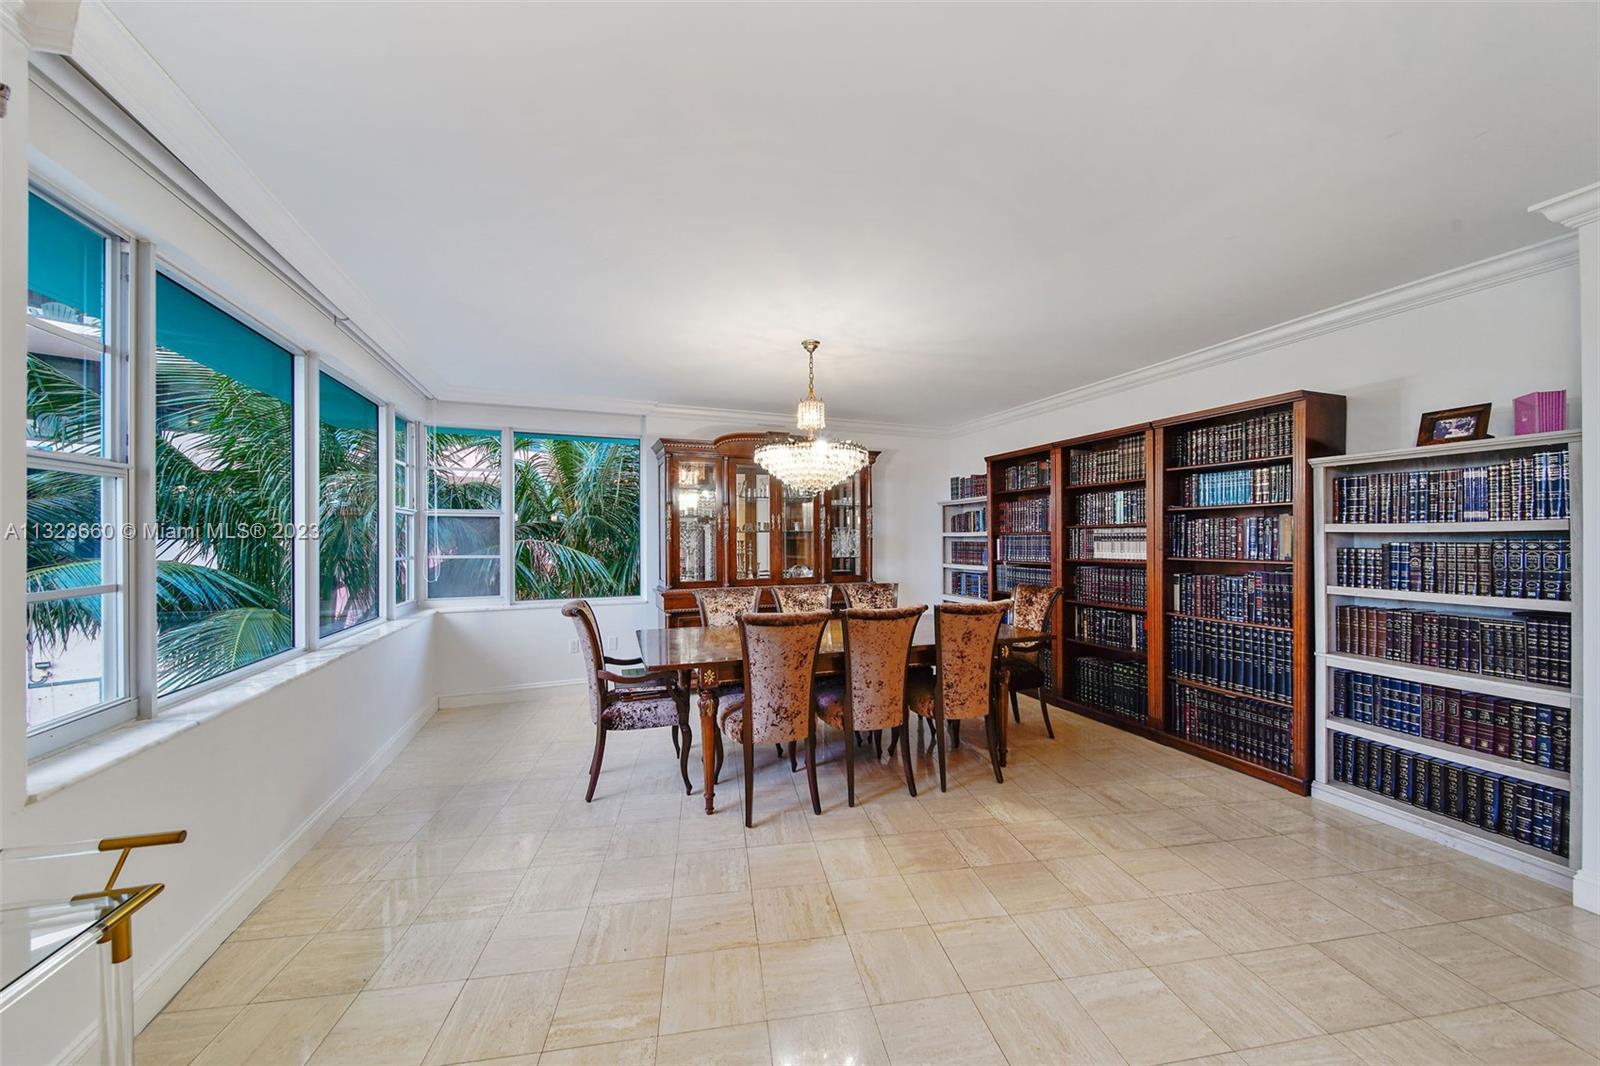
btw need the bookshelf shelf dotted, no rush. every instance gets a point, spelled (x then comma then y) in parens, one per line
(1113, 650)
(1549, 695)
(1505, 603)
(964, 530)
(1514, 475)
(1455, 753)
(1232, 562)
(1229, 464)
(1106, 562)
(1230, 622)
(1032, 490)
(1551, 525)
(1107, 606)
(1091, 486)
(1221, 691)
(1175, 508)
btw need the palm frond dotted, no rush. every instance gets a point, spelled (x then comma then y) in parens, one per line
(220, 643)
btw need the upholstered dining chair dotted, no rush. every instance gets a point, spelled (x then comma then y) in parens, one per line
(793, 599)
(722, 607)
(641, 699)
(871, 593)
(872, 694)
(963, 684)
(778, 701)
(1032, 607)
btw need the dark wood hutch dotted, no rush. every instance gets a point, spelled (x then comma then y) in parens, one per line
(726, 521)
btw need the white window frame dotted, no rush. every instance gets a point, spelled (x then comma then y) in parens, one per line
(409, 513)
(502, 595)
(385, 489)
(115, 467)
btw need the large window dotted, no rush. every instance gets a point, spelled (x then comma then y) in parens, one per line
(405, 511)
(224, 491)
(463, 512)
(576, 512)
(347, 520)
(77, 479)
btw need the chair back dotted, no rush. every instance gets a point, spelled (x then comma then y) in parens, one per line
(877, 648)
(589, 646)
(1033, 607)
(964, 637)
(780, 670)
(722, 607)
(872, 593)
(794, 599)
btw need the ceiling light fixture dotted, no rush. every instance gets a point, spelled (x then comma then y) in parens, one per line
(808, 464)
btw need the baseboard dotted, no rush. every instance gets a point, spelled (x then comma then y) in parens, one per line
(155, 987)
(506, 694)
(1586, 890)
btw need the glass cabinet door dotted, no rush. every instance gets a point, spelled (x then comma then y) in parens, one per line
(696, 505)
(847, 528)
(799, 537)
(753, 522)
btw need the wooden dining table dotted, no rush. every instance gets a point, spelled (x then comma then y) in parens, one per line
(711, 656)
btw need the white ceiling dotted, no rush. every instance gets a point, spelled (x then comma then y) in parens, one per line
(971, 206)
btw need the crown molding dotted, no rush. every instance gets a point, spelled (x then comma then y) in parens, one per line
(1577, 208)
(1534, 259)
(105, 50)
(42, 26)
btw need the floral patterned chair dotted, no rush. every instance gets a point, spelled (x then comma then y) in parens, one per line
(778, 700)
(1032, 607)
(871, 593)
(872, 694)
(721, 607)
(794, 599)
(640, 699)
(963, 685)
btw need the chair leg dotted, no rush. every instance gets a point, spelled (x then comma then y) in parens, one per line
(811, 771)
(905, 755)
(683, 753)
(594, 763)
(675, 740)
(850, 772)
(749, 785)
(1044, 709)
(780, 750)
(877, 743)
(716, 769)
(793, 766)
(1016, 715)
(955, 734)
(895, 734)
(992, 733)
(938, 742)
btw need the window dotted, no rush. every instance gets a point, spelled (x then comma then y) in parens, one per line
(347, 512)
(576, 509)
(464, 505)
(77, 480)
(405, 512)
(224, 492)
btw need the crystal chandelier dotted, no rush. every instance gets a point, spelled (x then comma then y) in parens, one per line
(809, 464)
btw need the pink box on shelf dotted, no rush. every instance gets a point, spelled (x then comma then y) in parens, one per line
(1541, 412)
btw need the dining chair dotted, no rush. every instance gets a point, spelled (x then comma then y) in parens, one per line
(871, 593)
(871, 696)
(963, 684)
(1032, 607)
(777, 703)
(641, 699)
(793, 599)
(722, 607)
(633, 668)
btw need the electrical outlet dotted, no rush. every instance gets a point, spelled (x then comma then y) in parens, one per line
(572, 646)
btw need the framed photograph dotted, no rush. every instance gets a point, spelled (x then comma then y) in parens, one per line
(1456, 423)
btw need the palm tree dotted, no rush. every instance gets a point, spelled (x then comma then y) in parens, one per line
(577, 517)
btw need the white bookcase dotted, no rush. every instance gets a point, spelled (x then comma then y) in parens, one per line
(1505, 851)
(951, 571)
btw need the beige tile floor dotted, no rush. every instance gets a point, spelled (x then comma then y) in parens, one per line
(1113, 901)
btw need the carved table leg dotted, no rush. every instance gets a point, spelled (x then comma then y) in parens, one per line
(708, 733)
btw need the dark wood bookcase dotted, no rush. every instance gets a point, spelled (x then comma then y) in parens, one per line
(1316, 428)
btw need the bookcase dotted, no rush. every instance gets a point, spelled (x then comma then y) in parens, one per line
(964, 529)
(1449, 690)
(1183, 548)
(1025, 532)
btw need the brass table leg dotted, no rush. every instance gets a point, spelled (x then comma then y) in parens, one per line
(707, 681)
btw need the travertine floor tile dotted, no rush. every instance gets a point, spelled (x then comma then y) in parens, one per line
(391, 1027)
(498, 1016)
(713, 990)
(1324, 991)
(1378, 907)
(332, 963)
(1238, 1006)
(386, 904)
(1300, 913)
(1407, 978)
(1227, 865)
(1228, 925)
(951, 895)
(1499, 1034)
(915, 853)
(988, 846)
(176, 1037)
(555, 888)
(434, 953)
(623, 931)
(1164, 872)
(632, 880)
(1313, 1051)
(1142, 1018)
(708, 923)
(1076, 943)
(608, 1003)
(785, 864)
(1563, 955)
(1155, 932)
(1481, 963)
(810, 977)
(236, 972)
(1413, 1043)
(927, 1032)
(528, 943)
(295, 912)
(1573, 1016)
(992, 953)
(622, 1053)
(270, 1034)
(714, 872)
(1096, 879)
(1023, 887)
(855, 858)
(796, 912)
(844, 1038)
(876, 903)
(1043, 1023)
(739, 1045)
(902, 964)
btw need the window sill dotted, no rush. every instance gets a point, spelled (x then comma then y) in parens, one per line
(67, 767)
(468, 606)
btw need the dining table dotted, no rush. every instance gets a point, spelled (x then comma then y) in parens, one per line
(711, 656)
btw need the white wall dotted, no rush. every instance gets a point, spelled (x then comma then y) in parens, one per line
(1488, 344)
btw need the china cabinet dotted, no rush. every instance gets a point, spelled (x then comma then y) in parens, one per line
(727, 521)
